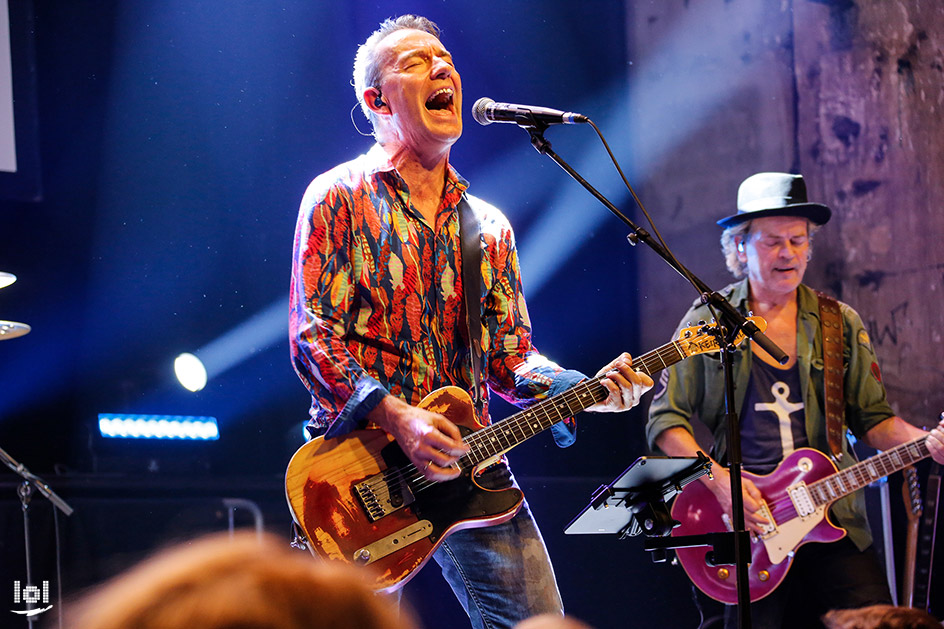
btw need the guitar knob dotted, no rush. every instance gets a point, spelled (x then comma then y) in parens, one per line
(763, 575)
(723, 573)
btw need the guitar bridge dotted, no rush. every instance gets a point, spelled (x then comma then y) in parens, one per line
(770, 528)
(382, 494)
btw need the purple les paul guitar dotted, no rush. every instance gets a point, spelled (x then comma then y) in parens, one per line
(796, 497)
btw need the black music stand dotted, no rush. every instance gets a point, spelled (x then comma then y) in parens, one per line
(635, 502)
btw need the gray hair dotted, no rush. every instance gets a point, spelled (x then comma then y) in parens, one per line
(366, 70)
(742, 231)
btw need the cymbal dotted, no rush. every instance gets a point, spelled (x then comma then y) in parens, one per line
(12, 329)
(6, 279)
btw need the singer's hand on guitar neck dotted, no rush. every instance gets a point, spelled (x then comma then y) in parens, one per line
(432, 442)
(625, 384)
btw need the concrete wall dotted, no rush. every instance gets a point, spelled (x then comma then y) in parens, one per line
(849, 94)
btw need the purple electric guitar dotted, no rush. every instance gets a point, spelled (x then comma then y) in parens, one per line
(796, 497)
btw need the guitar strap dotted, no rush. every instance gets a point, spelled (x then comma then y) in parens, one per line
(470, 241)
(831, 320)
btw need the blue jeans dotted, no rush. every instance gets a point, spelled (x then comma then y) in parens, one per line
(501, 574)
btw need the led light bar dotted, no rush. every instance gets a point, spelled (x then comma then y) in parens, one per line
(158, 426)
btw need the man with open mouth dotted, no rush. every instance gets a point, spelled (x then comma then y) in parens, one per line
(378, 321)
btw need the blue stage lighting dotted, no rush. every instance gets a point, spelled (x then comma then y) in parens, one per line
(158, 426)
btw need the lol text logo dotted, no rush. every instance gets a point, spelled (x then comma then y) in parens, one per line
(31, 595)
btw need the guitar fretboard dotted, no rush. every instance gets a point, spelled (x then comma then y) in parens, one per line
(508, 433)
(844, 482)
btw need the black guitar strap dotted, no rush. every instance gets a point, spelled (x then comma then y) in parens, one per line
(470, 240)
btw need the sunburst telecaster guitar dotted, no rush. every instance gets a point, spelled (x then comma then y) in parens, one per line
(796, 496)
(359, 500)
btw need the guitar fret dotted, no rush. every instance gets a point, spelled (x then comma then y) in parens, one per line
(856, 476)
(842, 485)
(506, 434)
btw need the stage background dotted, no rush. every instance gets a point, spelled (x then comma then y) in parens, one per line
(175, 139)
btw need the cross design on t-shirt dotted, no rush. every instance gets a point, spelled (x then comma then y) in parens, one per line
(782, 406)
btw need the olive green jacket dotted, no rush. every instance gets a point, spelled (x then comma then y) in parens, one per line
(695, 388)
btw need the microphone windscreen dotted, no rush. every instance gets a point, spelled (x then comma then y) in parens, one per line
(479, 109)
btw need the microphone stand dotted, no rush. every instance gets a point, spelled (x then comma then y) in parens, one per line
(730, 322)
(30, 483)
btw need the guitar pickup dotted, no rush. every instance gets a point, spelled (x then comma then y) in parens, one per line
(802, 500)
(382, 494)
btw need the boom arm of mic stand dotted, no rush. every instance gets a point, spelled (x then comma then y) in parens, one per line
(733, 319)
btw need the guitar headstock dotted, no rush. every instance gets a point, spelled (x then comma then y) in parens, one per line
(700, 339)
(911, 491)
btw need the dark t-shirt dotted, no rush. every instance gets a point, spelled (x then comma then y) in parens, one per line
(772, 418)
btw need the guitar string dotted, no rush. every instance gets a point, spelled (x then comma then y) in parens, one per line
(411, 475)
(651, 362)
(380, 485)
(856, 476)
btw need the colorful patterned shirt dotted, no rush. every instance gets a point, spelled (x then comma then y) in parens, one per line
(376, 300)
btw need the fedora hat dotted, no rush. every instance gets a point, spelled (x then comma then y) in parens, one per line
(775, 194)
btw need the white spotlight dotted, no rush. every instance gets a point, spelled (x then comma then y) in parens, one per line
(190, 372)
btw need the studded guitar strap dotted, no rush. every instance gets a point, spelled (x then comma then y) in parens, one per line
(831, 319)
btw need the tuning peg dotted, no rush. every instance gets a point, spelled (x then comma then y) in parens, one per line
(701, 322)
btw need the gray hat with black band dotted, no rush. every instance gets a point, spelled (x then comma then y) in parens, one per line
(775, 194)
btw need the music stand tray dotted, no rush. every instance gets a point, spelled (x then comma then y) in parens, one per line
(635, 501)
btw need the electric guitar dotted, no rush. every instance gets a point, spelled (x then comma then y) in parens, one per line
(796, 497)
(359, 500)
(911, 492)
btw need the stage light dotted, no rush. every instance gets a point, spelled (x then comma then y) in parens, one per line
(6, 279)
(257, 333)
(190, 371)
(158, 426)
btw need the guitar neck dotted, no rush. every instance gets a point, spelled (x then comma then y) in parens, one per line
(829, 489)
(502, 436)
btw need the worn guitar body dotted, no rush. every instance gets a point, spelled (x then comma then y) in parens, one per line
(796, 497)
(321, 490)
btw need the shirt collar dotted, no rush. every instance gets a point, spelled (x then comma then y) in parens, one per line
(379, 162)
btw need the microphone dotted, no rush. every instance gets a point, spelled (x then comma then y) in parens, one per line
(486, 111)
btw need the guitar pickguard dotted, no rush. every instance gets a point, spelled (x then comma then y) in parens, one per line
(789, 534)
